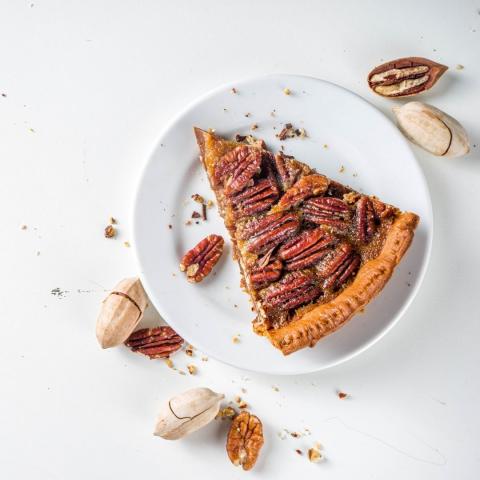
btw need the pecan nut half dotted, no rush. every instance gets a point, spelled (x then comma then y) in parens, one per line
(245, 440)
(293, 290)
(340, 266)
(405, 76)
(157, 342)
(288, 170)
(306, 249)
(326, 211)
(265, 233)
(237, 168)
(263, 275)
(365, 220)
(199, 261)
(308, 186)
(257, 198)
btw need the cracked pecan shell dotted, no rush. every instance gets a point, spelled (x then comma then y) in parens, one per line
(405, 76)
(245, 440)
(341, 265)
(326, 211)
(198, 262)
(157, 342)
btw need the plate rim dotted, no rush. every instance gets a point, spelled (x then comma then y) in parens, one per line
(430, 231)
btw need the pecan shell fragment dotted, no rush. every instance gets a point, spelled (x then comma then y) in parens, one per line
(157, 342)
(405, 76)
(245, 440)
(199, 261)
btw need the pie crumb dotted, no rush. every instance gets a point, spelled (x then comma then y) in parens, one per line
(314, 455)
(189, 351)
(235, 339)
(299, 451)
(112, 221)
(192, 369)
(287, 91)
(459, 67)
(204, 359)
(126, 244)
(342, 169)
(110, 231)
(254, 126)
(23, 227)
(169, 363)
(233, 90)
(342, 395)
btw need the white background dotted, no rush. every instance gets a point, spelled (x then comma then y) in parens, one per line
(88, 86)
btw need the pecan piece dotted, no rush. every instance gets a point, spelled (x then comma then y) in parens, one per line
(405, 76)
(340, 266)
(257, 198)
(365, 220)
(326, 211)
(306, 249)
(308, 186)
(295, 289)
(288, 170)
(263, 275)
(245, 440)
(199, 261)
(157, 342)
(237, 167)
(265, 233)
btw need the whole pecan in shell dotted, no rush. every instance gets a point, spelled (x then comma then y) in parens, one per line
(365, 220)
(405, 76)
(293, 290)
(326, 211)
(245, 440)
(199, 261)
(306, 248)
(308, 186)
(237, 168)
(256, 198)
(157, 342)
(340, 266)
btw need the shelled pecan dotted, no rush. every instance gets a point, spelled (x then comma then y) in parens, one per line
(288, 171)
(326, 211)
(405, 76)
(365, 220)
(263, 275)
(306, 249)
(340, 266)
(199, 261)
(157, 342)
(308, 186)
(256, 198)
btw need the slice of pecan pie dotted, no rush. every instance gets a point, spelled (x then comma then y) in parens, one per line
(312, 251)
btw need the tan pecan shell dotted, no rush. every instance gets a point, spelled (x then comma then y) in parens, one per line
(263, 275)
(265, 233)
(365, 220)
(245, 440)
(293, 290)
(199, 261)
(157, 342)
(308, 186)
(256, 198)
(326, 211)
(237, 167)
(306, 249)
(340, 266)
(405, 76)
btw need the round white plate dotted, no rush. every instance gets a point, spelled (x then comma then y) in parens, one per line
(348, 140)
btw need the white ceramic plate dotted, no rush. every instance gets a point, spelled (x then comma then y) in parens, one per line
(348, 140)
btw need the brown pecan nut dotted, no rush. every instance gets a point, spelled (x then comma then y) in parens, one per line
(365, 220)
(293, 290)
(199, 261)
(306, 249)
(263, 275)
(288, 170)
(237, 168)
(257, 198)
(245, 440)
(157, 342)
(340, 266)
(308, 186)
(405, 76)
(326, 211)
(265, 233)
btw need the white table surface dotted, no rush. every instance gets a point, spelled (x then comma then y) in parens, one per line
(88, 86)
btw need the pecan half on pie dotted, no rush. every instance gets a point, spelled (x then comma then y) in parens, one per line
(312, 251)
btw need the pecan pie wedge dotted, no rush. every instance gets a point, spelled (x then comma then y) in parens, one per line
(312, 252)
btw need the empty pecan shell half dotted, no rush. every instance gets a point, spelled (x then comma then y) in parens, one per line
(308, 186)
(199, 261)
(263, 275)
(236, 168)
(157, 342)
(245, 440)
(326, 211)
(405, 76)
(257, 198)
(306, 249)
(293, 290)
(265, 233)
(365, 220)
(342, 264)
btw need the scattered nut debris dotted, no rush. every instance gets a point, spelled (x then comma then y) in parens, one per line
(314, 455)
(342, 169)
(342, 395)
(290, 132)
(244, 390)
(110, 231)
(169, 363)
(189, 351)
(192, 369)
(4, 95)
(23, 227)
(233, 90)
(295, 434)
(112, 221)
(325, 146)
(273, 113)
(275, 388)
(247, 114)
(126, 244)
(170, 226)
(204, 212)
(198, 198)
(287, 91)
(195, 214)
(242, 405)
(235, 339)
(254, 126)
(227, 412)
(459, 67)
(188, 222)
(282, 434)
(204, 359)
(299, 451)
(210, 204)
